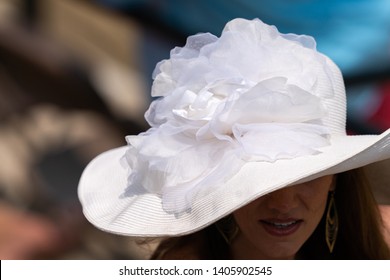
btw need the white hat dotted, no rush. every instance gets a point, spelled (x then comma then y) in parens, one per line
(237, 117)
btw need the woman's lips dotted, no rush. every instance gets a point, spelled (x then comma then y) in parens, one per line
(281, 228)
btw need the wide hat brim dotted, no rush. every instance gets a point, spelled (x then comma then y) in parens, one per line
(104, 181)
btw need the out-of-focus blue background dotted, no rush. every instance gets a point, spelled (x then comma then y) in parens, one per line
(75, 77)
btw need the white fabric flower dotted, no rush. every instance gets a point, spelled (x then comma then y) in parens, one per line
(250, 95)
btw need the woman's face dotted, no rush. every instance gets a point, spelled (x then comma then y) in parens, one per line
(276, 225)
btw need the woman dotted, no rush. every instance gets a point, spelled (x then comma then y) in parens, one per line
(359, 232)
(247, 156)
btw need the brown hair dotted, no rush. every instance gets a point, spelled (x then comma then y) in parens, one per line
(359, 236)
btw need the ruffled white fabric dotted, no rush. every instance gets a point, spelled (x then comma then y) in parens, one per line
(250, 95)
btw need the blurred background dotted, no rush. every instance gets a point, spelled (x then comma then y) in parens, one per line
(75, 78)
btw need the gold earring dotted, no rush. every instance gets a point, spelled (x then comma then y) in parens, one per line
(228, 228)
(332, 223)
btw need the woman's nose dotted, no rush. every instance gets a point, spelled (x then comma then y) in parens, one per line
(283, 200)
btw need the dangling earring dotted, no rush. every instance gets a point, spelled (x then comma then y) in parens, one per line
(228, 228)
(332, 223)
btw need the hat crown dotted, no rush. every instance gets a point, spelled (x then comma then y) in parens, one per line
(337, 106)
